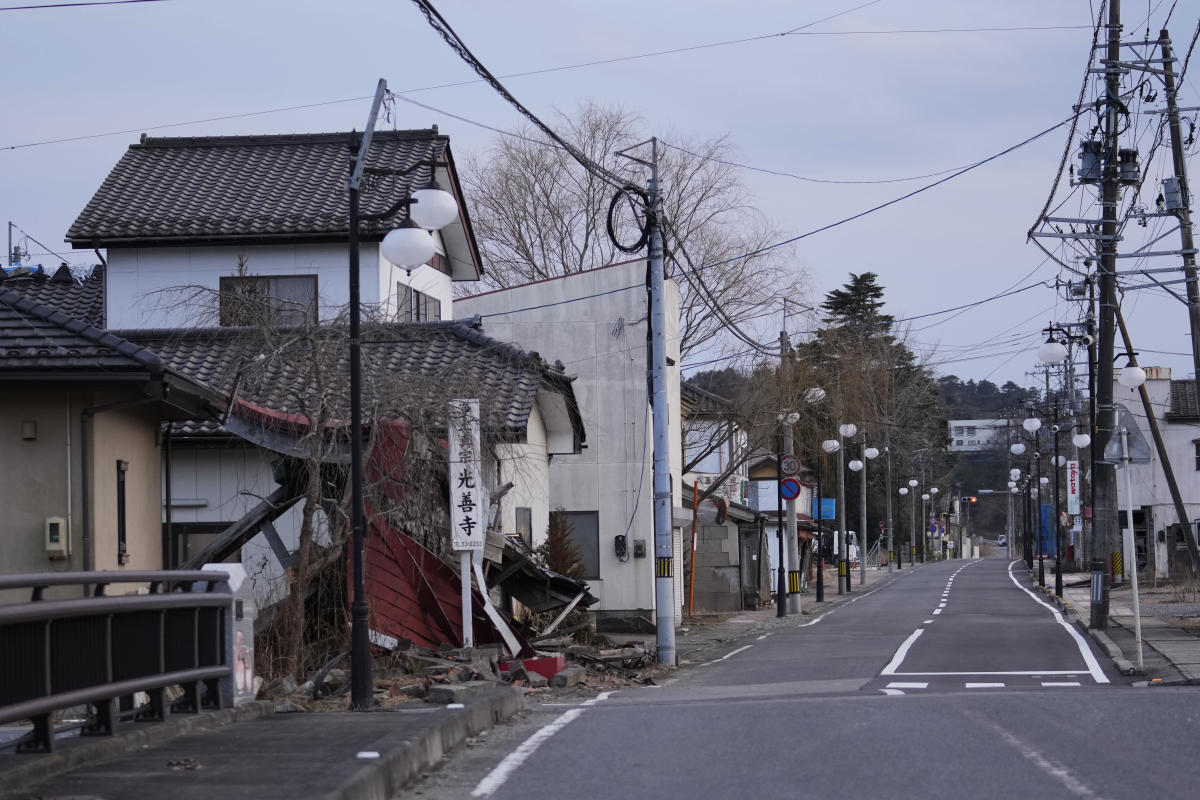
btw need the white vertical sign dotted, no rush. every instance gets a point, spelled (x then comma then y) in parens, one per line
(468, 509)
(1074, 490)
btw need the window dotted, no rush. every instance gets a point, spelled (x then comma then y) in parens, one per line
(414, 306)
(122, 547)
(525, 524)
(585, 532)
(1196, 445)
(970, 430)
(958, 430)
(284, 301)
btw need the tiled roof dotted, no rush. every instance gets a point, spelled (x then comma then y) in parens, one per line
(37, 338)
(80, 298)
(248, 187)
(1185, 400)
(405, 366)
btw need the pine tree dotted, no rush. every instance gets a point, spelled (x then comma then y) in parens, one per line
(559, 552)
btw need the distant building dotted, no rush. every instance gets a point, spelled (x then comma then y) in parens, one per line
(976, 435)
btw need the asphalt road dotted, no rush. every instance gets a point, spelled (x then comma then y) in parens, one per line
(951, 681)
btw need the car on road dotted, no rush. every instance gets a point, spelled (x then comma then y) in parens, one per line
(1001, 540)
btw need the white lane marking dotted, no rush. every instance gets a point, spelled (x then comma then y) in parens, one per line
(984, 685)
(892, 691)
(1062, 774)
(1061, 683)
(927, 622)
(908, 685)
(941, 605)
(760, 638)
(894, 664)
(499, 774)
(727, 655)
(814, 622)
(937, 611)
(1092, 665)
(1031, 673)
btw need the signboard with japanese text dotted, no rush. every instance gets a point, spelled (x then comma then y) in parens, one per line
(1074, 489)
(468, 501)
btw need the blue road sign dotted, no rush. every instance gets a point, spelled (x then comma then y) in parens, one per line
(789, 489)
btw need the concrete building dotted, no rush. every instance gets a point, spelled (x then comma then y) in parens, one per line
(594, 323)
(1161, 546)
(977, 435)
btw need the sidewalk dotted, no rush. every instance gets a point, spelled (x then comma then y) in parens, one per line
(1170, 654)
(264, 755)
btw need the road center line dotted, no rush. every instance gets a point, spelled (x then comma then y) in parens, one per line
(1057, 771)
(897, 659)
(1089, 659)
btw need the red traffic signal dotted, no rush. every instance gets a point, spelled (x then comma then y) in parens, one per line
(972, 499)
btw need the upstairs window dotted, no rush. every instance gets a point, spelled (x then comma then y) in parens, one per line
(286, 301)
(414, 306)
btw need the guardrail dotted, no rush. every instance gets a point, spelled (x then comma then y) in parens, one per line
(96, 649)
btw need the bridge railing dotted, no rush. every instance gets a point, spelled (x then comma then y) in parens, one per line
(93, 650)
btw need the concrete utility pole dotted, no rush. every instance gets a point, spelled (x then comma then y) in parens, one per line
(1184, 211)
(1104, 518)
(664, 546)
(793, 549)
(862, 512)
(887, 490)
(843, 562)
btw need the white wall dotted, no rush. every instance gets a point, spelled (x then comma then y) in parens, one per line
(528, 467)
(222, 485)
(602, 340)
(1148, 484)
(145, 286)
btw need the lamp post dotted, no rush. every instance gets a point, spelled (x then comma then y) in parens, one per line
(860, 465)
(845, 431)
(899, 563)
(788, 419)
(407, 246)
(924, 524)
(1033, 425)
(912, 531)
(933, 490)
(831, 446)
(887, 492)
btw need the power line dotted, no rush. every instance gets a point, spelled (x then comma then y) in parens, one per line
(77, 4)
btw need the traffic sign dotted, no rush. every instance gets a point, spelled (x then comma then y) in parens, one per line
(789, 465)
(789, 489)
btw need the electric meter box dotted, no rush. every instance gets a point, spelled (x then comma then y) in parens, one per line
(56, 538)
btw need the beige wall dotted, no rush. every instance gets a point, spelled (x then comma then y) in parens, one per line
(43, 477)
(33, 477)
(130, 435)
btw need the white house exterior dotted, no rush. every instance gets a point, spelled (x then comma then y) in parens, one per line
(1176, 406)
(594, 322)
(976, 435)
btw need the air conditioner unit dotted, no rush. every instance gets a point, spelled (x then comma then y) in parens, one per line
(56, 538)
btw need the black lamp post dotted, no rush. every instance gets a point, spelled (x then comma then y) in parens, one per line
(408, 246)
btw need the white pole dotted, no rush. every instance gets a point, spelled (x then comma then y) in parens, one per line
(1130, 550)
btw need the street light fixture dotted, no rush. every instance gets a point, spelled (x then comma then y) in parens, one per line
(409, 246)
(1081, 440)
(1017, 449)
(1132, 376)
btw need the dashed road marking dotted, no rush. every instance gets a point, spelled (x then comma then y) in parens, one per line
(984, 685)
(908, 685)
(1061, 683)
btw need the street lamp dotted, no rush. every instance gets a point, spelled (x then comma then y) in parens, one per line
(829, 446)
(409, 246)
(845, 431)
(903, 490)
(1132, 376)
(860, 465)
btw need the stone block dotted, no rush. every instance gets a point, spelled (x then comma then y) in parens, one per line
(568, 676)
(456, 692)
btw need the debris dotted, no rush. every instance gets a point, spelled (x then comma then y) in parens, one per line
(184, 764)
(568, 676)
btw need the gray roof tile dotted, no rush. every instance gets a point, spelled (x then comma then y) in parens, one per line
(247, 187)
(78, 298)
(405, 366)
(37, 338)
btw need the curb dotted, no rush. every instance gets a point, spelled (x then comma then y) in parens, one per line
(386, 777)
(129, 738)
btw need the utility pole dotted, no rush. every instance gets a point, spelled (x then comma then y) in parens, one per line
(1184, 211)
(843, 560)
(1104, 511)
(862, 511)
(793, 550)
(887, 490)
(664, 558)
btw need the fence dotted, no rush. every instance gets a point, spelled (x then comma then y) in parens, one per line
(97, 649)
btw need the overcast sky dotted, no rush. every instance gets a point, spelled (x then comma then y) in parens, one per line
(859, 97)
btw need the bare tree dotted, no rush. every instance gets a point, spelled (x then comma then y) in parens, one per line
(537, 214)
